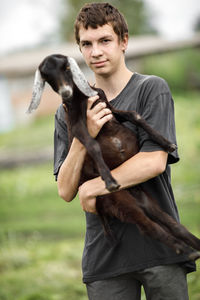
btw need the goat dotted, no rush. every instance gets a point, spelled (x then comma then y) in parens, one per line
(114, 144)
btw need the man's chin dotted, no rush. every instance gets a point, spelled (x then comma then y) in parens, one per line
(101, 71)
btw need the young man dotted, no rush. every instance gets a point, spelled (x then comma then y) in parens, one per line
(118, 272)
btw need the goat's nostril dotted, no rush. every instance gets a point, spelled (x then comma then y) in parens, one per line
(65, 91)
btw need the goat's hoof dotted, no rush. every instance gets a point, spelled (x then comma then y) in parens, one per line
(172, 147)
(112, 186)
(194, 255)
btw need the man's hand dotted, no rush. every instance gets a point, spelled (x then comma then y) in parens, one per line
(88, 203)
(97, 116)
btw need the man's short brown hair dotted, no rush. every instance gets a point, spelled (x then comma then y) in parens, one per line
(98, 14)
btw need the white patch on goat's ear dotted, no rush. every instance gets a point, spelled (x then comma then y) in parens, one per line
(38, 88)
(80, 80)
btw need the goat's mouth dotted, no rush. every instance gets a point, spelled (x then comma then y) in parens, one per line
(65, 91)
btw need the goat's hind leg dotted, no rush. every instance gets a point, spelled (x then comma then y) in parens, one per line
(178, 230)
(123, 206)
(135, 118)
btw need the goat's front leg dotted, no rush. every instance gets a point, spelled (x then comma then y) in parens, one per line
(81, 133)
(135, 118)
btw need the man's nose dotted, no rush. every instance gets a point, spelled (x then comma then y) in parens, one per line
(96, 51)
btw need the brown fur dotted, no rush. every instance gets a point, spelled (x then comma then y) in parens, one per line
(114, 145)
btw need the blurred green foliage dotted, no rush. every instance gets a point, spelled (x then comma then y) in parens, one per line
(135, 12)
(41, 236)
(40, 134)
(180, 69)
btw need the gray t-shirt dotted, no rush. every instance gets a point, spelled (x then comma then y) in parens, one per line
(151, 98)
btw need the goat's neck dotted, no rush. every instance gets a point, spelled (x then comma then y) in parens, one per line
(76, 107)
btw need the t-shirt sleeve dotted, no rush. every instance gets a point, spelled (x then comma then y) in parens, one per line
(159, 114)
(60, 140)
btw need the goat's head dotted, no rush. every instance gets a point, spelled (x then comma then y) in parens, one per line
(62, 73)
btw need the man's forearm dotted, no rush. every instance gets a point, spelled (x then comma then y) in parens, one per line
(140, 168)
(70, 171)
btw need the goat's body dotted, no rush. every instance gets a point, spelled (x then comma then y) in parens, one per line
(117, 144)
(113, 145)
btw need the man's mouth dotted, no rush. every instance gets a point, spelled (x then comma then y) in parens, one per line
(99, 63)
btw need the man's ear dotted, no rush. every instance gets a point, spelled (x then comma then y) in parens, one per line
(124, 42)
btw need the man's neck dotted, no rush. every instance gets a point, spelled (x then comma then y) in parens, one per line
(114, 84)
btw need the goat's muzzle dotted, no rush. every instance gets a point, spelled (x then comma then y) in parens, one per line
(65, 91)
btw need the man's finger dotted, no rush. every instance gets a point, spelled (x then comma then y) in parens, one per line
(103, 120)
(99, 107)
(91, 100)
(103, 112)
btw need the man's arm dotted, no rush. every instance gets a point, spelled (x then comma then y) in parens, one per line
(70, 171)
(139, 168)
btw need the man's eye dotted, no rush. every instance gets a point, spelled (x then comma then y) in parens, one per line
(85, 44)
(105, 41)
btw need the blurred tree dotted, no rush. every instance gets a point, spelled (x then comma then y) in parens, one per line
(135, 12)
(197, 25)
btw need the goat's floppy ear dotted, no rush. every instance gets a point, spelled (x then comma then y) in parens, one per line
(79, 79)
(38, 88)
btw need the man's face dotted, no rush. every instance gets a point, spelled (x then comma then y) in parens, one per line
(101, 49)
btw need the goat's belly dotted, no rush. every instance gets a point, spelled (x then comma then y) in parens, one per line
(115, 148)
(118, 148)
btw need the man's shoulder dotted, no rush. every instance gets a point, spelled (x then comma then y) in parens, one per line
(152, 82)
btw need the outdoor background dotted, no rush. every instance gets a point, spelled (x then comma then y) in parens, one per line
(41, 236)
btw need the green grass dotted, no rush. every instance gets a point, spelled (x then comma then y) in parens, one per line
(38, 270)
(33, 135)
(29, 202)
(41, 236)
